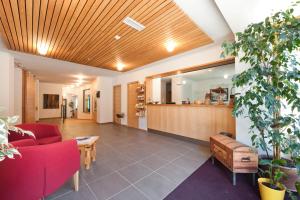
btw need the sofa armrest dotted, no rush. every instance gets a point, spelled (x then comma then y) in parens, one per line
(23, 177)
(63, 160)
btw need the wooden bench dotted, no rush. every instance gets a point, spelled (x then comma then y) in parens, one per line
(237, 157)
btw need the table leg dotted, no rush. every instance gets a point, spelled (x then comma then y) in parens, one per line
(94, 152)
(87, 157)
(234, 178)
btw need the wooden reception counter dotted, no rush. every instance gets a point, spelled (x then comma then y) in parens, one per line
(192, 121)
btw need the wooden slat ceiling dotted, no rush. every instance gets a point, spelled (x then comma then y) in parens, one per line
(83, 31)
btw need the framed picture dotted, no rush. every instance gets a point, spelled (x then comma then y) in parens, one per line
(215, 93)
(51, 101)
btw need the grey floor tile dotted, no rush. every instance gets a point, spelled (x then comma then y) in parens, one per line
(108, 186)
(197, 155)
(129, 194)
(174, 173)
(95, 172)
(118, 163)
(168, 154)
(154, 162)
(67, 187)
(135, 172)
(155, 186)
(189, 164)
(83, 194)
(135, 154)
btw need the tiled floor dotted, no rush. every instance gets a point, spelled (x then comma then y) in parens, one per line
(131, 164)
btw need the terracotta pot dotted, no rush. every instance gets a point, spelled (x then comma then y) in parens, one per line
(291, 178)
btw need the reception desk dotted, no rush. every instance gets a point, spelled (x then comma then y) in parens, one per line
(192, 121)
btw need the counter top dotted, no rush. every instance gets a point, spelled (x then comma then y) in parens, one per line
(192, 105)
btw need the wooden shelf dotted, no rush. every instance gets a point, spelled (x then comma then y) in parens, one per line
(140, 98)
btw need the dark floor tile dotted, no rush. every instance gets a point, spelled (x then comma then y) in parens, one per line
(67, 187)
(129, 194)
(155, 186)
(108, 186)
(95, 172)
(83, 194)
(154, 162)
(189, 164)
(135, 172)
(174, 173)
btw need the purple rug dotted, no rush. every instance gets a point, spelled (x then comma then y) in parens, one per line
(214, 182)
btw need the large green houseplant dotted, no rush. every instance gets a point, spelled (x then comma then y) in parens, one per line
(6, 125)
(269, 89)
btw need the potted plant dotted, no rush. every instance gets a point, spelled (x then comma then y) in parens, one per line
(6, 125)
(271, 187)
(269, 88)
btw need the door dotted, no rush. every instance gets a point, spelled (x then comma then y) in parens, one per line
(117, 103)
(132, 119)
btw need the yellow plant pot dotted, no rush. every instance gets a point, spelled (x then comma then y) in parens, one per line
(267, 193)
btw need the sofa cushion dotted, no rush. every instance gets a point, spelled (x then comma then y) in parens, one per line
(24, 142)
(49, 140)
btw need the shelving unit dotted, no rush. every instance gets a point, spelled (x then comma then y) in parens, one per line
(141, 100)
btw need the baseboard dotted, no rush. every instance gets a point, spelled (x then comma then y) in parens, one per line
(205, 143)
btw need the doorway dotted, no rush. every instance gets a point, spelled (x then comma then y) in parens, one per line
(73, 105)
(132, 118)
(117, 104)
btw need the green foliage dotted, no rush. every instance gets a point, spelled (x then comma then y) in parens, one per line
(273, 172)
(6, 149)
(271, 84)
(270, 88)
(298, 187)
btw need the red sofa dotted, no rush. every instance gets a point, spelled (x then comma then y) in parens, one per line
(41, 169)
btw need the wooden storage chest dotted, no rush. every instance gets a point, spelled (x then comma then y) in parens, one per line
(237, 157)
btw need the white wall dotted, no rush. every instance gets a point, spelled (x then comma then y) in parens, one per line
(18, 73)
(7, 69)
(49, 88)
(105, 102)
(197, 56)
(156, 90)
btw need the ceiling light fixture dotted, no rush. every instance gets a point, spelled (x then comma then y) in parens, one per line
(133, 24)
(120, 66)
(225, 76)
(117, 37)
(170, 46)
(43, 48)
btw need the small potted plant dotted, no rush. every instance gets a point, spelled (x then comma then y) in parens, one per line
(6, 125)
(271, 187)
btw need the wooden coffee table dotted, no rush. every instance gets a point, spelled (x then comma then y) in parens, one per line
(88, 146)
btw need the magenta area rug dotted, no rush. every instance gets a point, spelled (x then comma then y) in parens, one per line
(214, 182)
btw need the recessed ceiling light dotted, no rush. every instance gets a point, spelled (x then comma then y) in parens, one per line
(225, 76)
(120, 66)
(43, 48)
(133, 24)
(210, 70)
(170, 46)
(117, 37)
